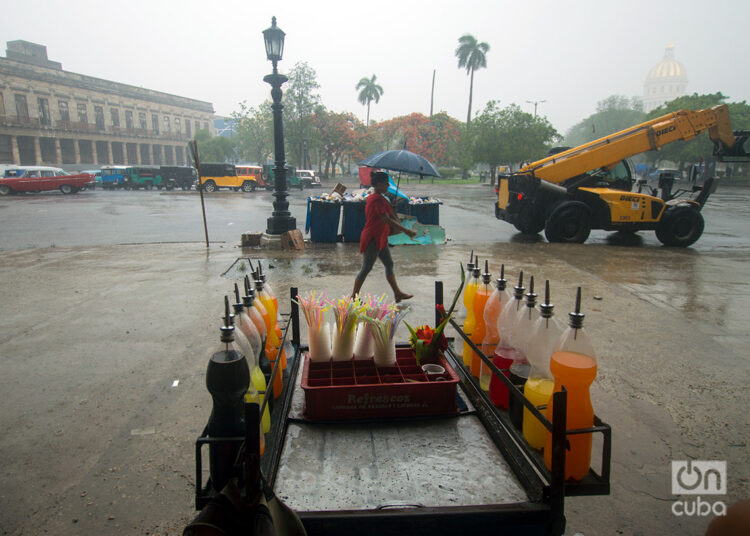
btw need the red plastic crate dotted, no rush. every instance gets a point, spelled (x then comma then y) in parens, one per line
(357, 389)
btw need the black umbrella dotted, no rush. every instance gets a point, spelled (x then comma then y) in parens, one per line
(401, 160)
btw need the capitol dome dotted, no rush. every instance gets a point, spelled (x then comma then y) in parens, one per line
(666, 81)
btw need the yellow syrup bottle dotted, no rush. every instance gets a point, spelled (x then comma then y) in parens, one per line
(483, 293)
(272, 305)
(468, 327)
(272, 342)
(538, 388)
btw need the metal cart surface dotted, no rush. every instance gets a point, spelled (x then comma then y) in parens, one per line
(466, 473)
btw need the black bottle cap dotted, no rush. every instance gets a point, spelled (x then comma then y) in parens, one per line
(238, 304)
(259, 285)
(546, 309)
(575, 319)
(476, 270)
(501, 283)
(531, 295)
(486, 276)
(227, 330)
(519, 288)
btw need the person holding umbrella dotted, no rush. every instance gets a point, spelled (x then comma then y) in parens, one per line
(373, 242)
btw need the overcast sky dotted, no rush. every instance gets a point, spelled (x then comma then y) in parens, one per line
(570, 54)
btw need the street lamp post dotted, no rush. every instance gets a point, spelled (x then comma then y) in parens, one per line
(281, 219)
(535, 103)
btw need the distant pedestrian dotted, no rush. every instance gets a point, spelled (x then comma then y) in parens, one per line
(373, 242)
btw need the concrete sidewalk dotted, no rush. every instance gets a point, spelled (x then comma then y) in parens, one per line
(104, 353)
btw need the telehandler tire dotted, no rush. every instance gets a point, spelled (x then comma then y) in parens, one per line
(680, 226)
(526, 222)
(569, 222)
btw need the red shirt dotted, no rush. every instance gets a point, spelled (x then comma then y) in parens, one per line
(375, 228)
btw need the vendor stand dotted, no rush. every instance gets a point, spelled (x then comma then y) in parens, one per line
(466, 471)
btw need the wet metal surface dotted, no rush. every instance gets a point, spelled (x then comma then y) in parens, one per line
(365, 466)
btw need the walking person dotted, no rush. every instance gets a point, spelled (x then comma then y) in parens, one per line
(373, 242)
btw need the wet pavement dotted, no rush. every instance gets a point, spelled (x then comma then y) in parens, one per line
(95, 333)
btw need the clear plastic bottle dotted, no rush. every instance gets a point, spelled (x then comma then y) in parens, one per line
(519, 369)
(573, 365)
(538, 388)
(504, 352)
(244, 325)
(482, 295)
(495, 304)
(470, 321)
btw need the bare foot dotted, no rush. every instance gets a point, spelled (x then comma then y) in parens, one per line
(403, 296)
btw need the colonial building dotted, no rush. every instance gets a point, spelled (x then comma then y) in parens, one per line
(49, 116)
(666, 81)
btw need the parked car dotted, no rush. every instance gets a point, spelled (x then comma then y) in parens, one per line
(178, 176)
(97, 174)
(146, 177)
(292, 179)
(41, 178)
(113, 177)
(308, 178)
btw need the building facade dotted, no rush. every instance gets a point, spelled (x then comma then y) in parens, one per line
(666, 81)
(49, 116)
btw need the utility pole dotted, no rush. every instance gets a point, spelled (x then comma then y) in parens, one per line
(535, 103)
(432, 93)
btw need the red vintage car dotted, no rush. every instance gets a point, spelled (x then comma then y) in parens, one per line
(42, 178)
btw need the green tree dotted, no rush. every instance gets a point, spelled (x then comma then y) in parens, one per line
(369, 91)
(300, 100)
(701, 147)
(472, 55)
(215, 149)
(613, 114)
(254, 132)
(509, 136)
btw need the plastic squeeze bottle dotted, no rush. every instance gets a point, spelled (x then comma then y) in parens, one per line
(468, 300)
(253, 311)
(573, 365)
(519, 369)
(273, 324)
(538, 388)
(504, 352)
(482, 295)
(245, 327)
(273, 342)
(274, 298)
(495, 303)
(470, 322)
(227, 379)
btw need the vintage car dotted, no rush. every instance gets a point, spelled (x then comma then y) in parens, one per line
(41, 178)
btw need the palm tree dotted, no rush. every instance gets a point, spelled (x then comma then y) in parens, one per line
(472, 56)
(370, 91)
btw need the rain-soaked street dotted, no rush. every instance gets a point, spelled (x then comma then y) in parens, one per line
(109, 298)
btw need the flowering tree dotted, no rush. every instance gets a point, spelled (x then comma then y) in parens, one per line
(339, 135)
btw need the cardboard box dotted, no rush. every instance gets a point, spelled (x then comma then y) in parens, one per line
(292, 240)
(339, 189)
